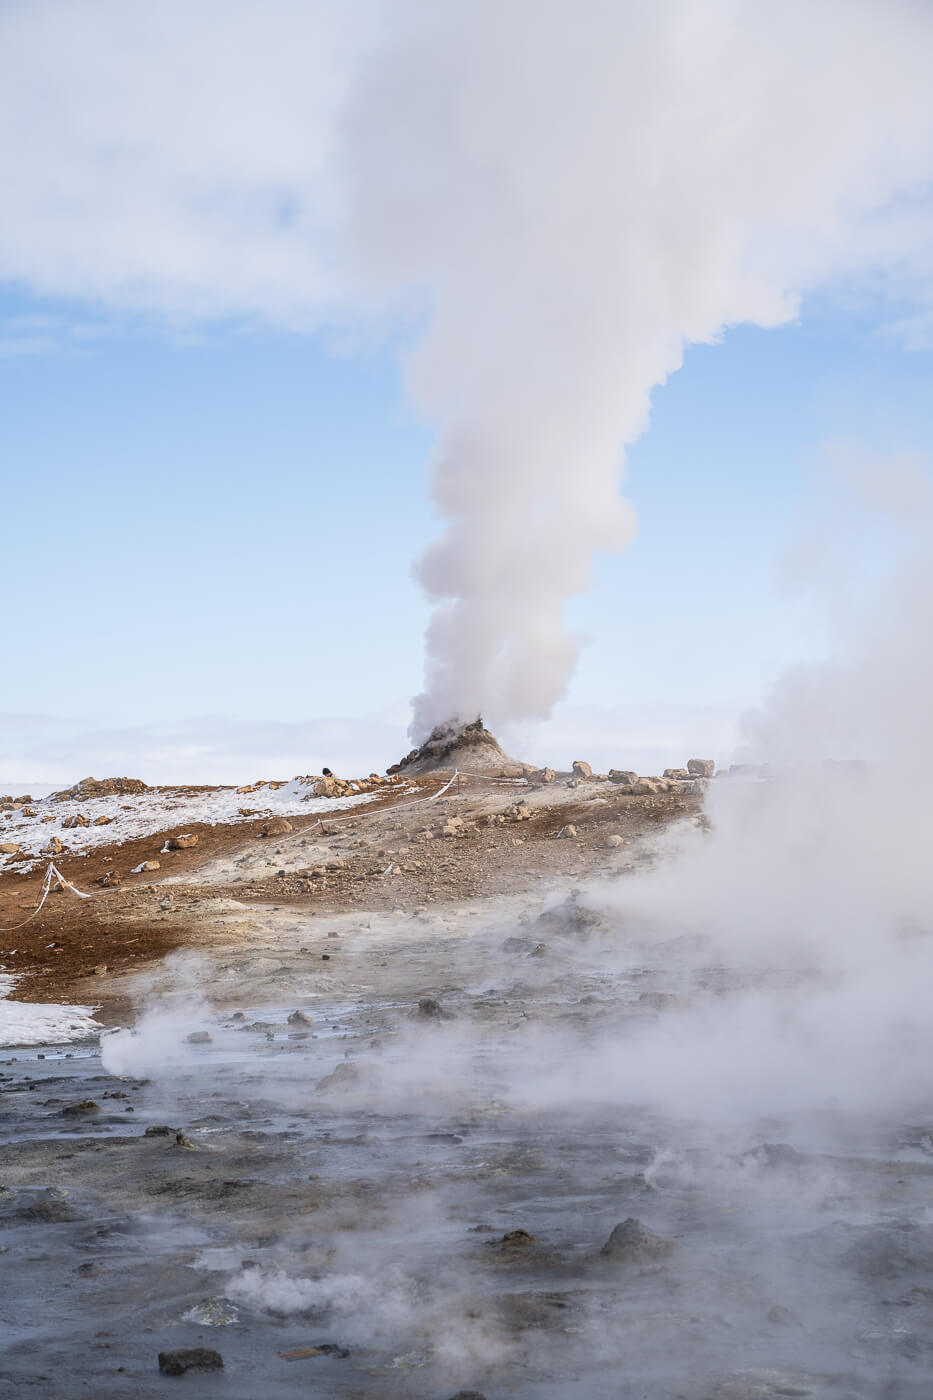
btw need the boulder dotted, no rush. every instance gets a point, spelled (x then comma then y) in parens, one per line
(148, 865)
(77, 820)
(182, 843)
(581, 769)
(567, 831)
(277, 826)
(54, 848)
(701, 767)
(543, 775)
(28, 812)
(622, 775)
(613, 842)
(679, 773)
(103, 821)
(9, 848)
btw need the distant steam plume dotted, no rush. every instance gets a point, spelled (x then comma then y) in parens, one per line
(571, 195)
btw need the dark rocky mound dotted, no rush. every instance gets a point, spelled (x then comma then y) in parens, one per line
(469, 747)
(102, 787)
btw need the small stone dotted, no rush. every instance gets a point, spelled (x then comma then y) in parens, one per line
(182, 843)
(176, 1363)
(54, 848)
(151, 865)
(429, 1009)
(9, 848)
(300, 1018)
(567, 832)
(631, 1243)
(103, 821)
(517, 1239)
(199, 1038)
(77, 820)
(613, 842)
(277, 826)
(182, 1141)
(79, 1110)
(109, 881)
(158, 1130)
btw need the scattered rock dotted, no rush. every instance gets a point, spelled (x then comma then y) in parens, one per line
(109, 881)
(567, 832)
(701, 767)
(80, 1110)
(631, 1243)
(300, 1018)
(277, 826)
(103, 821)
(74, 821)
(176, 1363)
(613, 842)
(581, 769)
(54, 848)
(183, 842)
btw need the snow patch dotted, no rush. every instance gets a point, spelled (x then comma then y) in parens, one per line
(23, 1023)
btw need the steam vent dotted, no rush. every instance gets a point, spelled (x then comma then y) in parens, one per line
(469, 747)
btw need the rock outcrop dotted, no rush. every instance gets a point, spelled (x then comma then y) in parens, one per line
(469, 747)
(101, 787)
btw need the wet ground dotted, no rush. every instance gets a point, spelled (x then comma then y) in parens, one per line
(411, 1187)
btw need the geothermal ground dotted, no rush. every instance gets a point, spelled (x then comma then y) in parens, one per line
(376, 1113)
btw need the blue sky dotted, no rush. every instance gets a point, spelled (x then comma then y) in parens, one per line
(223, 524)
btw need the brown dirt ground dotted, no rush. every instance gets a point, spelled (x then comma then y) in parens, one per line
(124, 928)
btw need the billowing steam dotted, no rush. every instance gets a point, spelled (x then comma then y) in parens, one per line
(562, 197)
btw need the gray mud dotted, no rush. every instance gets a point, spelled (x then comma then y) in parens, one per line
(414, 1188)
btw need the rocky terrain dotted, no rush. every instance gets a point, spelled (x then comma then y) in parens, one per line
(388, 1104)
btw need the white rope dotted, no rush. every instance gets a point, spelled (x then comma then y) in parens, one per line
(53, 873)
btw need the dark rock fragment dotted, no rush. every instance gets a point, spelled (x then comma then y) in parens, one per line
(176, 1363)
(79, 1110)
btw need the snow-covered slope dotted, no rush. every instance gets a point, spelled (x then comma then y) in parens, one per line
(159, 809)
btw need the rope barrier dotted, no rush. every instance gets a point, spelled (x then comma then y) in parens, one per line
(51, 875)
